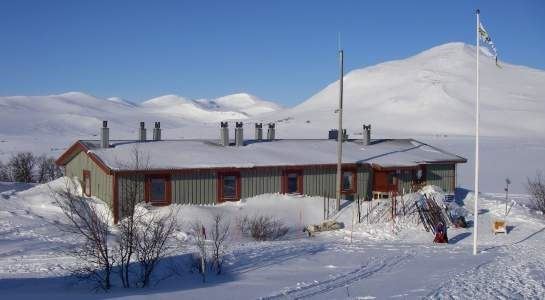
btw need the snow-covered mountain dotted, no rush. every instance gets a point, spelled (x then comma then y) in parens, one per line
(50, 123)
(432, 92)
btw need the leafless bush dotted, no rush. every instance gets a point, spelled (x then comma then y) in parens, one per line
(21, 166)
(3, 172)
(219, 235)
(152, 235)
(46, 169)
(536, 188)
(199, 234)
(262, 228)
(131, 220)
(95, 259)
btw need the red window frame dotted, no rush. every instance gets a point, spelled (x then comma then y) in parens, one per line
(86, 178)
(354, 187)
(168, 189)
(221, 176)
(299, 173)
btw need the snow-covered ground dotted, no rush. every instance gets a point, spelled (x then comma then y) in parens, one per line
(379, 262)
(429, 97)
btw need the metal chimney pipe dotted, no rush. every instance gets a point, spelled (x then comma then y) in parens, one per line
(258, 131)
(224, 134)
(239, 137)
(104, 135)
(366, 134)
(270, 132)
(157, 131)
(142, 132)
(332, 134)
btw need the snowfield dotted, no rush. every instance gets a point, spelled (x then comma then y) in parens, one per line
(428, 97)
(382, 261)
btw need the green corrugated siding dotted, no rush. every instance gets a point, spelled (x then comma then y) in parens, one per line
(405, 181)
(101, 183)
(365, 181)
(129, 186)
(442, 175)
(318, 181)
(194, 188)
(260, 181)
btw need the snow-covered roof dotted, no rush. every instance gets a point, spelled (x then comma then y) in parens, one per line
(196, 154)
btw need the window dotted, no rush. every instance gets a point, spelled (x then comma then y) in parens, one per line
(229, 186)
(158, 189)
(391, 178)
(293, 182)
(348, 183)
(86, 183)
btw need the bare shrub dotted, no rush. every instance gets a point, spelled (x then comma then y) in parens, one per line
(3, 172)
(219, 235)
(263, 228)
(153, 232)
(92, 225)
(46, 169)
(21, 166)
(536, 188)
(199, 234)
(131, 218)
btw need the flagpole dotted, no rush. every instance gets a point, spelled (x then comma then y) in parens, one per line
(476, 205)
(340, 135)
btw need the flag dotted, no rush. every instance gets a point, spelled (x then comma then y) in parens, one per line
(487, 40)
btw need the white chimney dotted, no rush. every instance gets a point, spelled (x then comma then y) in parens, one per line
(239, 137)
(258, 131)
(104, 135)
(157, 131)
(142, 132)
(270, 132)
(224, 134)
(366, 134)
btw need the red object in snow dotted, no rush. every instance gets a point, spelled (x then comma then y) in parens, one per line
(440, 234)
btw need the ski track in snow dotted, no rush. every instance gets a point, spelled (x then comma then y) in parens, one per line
(513, 275)
(375, 265)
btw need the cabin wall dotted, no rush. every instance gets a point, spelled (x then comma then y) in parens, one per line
(319, 181)
(194, 188)
(129, 187)
(365, 182)
(442, 175)
(260, 181)
(101, 182)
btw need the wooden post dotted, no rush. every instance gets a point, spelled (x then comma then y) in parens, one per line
(359, 209)
(324, 206)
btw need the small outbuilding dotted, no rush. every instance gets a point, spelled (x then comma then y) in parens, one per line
(202, 172)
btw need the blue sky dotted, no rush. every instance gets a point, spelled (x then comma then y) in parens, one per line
(279, 50)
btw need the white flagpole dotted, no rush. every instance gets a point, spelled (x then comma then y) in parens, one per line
(340, 135)
(476, 207)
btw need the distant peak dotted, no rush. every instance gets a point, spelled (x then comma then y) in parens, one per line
(74, 94)
(449, 49)
(169, 99)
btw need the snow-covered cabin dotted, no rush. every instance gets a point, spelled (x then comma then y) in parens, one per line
(213, 171)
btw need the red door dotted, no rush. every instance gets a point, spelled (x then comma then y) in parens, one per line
(380, 181)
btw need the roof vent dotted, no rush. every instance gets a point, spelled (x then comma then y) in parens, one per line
(142, 132)
(239, 137)
(224, 134)
(271, 132)
(334, 134)
(157, 131)
(104, 135)
(258, 131)
(366, 134)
